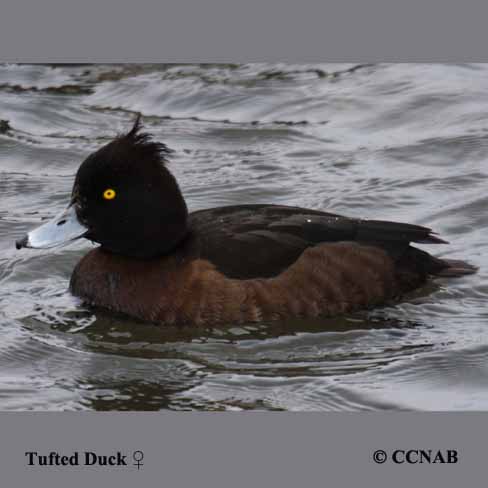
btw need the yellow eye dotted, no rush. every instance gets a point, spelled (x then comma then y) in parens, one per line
(109, 194)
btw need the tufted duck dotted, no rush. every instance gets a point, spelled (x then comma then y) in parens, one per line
(233, 264)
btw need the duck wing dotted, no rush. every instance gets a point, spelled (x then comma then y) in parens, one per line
(252, 241)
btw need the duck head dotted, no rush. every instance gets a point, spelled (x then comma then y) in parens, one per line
(125, 198)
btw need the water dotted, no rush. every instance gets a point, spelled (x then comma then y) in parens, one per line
(399, 142)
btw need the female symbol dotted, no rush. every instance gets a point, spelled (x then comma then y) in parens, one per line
(138, 456)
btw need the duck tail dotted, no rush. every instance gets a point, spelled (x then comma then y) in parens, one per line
(455, 267)
(424, 264)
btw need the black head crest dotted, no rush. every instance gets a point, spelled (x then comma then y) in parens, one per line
(137, 126)
(142, 141)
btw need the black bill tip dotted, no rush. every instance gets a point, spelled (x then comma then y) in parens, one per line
(20, 243)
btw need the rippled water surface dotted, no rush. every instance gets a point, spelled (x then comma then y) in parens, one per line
(398, 142)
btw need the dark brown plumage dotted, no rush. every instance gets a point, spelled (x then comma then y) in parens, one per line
(231, 264)
(263, 262)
